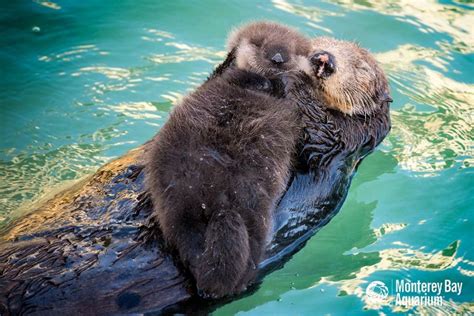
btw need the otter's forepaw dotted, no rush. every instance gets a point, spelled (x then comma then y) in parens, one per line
(323, 143)
(323, 64)
(247, 80)
(294, 82)
(328, 136)
(321, 155)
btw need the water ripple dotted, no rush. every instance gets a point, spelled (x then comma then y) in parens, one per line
(187, 53)
(401, 259)
(30, 176)
(48, 4)
(427, 15)
(309, 12)
(441, 136)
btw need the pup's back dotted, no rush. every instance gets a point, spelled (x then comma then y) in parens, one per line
(214, 172)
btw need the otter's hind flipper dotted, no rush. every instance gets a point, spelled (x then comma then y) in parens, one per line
(226, 255)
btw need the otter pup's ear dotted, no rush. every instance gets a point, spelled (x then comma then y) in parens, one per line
(228, 62)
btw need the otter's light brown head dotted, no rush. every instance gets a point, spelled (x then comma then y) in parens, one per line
(356, 84)
(268, 48)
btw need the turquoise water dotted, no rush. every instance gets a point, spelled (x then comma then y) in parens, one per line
(84, 81)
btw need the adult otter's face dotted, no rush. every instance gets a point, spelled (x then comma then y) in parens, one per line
(270, 49)
(350, 78)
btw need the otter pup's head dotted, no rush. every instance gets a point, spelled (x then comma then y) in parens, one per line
(269, 48)
(350, 79)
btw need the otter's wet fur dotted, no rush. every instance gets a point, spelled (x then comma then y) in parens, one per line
(223, 159)
(269, 48)
(358, 84)
(219, 165)
(215, 171)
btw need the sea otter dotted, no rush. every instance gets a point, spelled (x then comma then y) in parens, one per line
(263, 50)
(343, 77)
(269, 48)
(214, 194)
(352, 83)
(357, 85)
(220, 163)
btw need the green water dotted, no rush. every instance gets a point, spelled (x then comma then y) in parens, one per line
(85, 81)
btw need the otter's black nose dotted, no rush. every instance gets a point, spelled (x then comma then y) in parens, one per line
(278, 59)
(323, 64)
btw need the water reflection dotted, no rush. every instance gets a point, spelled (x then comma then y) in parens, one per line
(427, 15)
(313, 13)
(74, 53)
(187, 53)
(32, 175)
(48, 4)
(136, 110)
(109, 72)
(437, 137)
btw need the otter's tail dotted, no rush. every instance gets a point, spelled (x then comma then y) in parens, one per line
(226, 255)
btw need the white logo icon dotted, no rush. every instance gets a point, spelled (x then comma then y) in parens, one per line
(377, 290)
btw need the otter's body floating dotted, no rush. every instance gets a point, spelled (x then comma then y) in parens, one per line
(94, 250)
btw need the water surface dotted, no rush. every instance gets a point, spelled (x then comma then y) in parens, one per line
(84, 81)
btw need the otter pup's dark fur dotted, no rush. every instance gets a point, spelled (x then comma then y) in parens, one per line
(221, 162)
(269, 49)
(215, 171)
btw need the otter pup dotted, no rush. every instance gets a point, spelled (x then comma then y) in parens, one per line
(269, 48)
(213, 196)
(343, 76)
(220, 163)
(266, 49)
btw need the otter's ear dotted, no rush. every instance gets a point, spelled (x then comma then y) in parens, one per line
(228, 62)
(386, 97)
